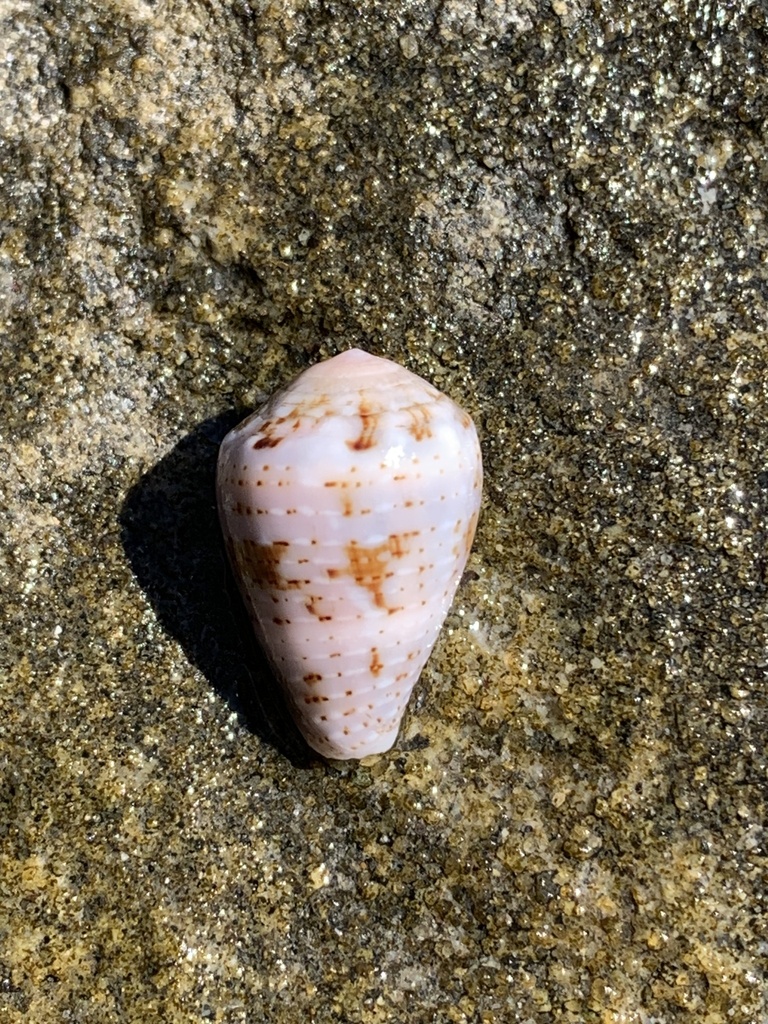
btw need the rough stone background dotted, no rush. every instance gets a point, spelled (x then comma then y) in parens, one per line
(557, 213)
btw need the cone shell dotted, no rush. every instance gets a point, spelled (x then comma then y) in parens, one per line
(349, 504)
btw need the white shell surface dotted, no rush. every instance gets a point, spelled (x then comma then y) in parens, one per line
(349, 504)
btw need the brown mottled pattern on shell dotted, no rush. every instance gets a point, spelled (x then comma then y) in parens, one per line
(348, 540)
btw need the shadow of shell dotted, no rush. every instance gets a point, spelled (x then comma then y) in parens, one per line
(171, 535)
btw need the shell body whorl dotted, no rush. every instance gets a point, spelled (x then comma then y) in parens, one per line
(349, 504)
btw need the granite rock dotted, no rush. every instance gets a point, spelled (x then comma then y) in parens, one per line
(556, 213)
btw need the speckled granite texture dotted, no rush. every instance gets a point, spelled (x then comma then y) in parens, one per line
(557, 213)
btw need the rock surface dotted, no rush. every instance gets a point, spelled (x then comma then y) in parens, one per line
(556, 213)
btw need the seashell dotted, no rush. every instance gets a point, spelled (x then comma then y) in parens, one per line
(349, 504)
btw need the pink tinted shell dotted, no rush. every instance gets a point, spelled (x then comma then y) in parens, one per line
(349, 504)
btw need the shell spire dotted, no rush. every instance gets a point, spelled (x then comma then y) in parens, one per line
(349, 503)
